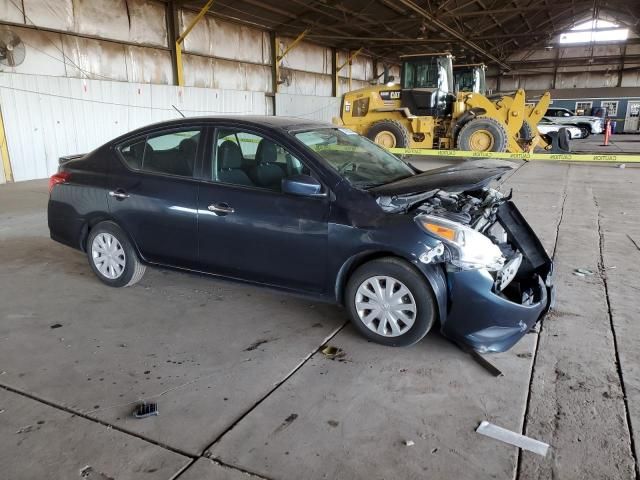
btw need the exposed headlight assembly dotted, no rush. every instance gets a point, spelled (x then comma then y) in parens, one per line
(468, 249)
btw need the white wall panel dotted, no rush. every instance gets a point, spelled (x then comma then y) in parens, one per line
(305, 83)
(43, 53)
(48, 117)
(306, 56)
(141, 21)
(57, 14)
(9, 12)
(148, 65)
(217, 38)
(310, 107)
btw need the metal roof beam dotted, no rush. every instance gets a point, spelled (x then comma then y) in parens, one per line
(454, 33)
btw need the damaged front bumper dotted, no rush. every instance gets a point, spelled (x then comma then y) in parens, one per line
(489, 314)
(489, 321)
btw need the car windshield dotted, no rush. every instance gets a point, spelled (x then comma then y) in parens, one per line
(360, 161)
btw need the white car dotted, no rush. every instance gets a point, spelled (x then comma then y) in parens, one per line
(566, 117)
(546, 125)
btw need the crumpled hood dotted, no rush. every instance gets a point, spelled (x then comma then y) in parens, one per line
(470, 175)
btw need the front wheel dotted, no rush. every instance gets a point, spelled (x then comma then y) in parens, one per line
(390, 302)
(112, 257)
(483, 134)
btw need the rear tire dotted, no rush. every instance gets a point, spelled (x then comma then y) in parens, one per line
(563, 139)
(586, 130)
(483, 134)
(527, 131)
(400, 320)
(112, 256)
(389, 134)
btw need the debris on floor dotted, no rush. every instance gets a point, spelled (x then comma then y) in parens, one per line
(55, 325)
(480, 360)
(332, 352)
(256, 344)
(409, 443)
(582, 272)
(507, 436)
(144, 410)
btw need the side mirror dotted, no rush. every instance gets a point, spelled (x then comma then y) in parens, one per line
(565, 114)
(303, 185)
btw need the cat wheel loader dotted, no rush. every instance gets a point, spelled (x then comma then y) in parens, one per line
(472, 78)
(425, 112)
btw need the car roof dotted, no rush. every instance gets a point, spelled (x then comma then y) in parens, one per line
(269, 121)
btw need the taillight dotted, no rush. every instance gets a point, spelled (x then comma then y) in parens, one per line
(58, 178)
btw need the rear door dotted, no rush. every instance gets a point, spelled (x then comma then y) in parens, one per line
(153, 193)
(247, 227)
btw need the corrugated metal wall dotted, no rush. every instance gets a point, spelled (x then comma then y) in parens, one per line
(310, 107)
(97, 68)
(47, 117)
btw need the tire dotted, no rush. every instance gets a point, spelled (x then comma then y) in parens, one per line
(122, 267)
(586, 130)
(391, 130)
(527, 131)
(419, 295)
(563, 139)
(494, 137)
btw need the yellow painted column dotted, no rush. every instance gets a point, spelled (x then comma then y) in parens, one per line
(4, 152)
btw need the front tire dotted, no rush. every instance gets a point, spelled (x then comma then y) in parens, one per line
(389, 134)
(390, 302)
(483, 134)
(112, 257)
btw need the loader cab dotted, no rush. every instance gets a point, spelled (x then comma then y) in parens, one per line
(470, 78)
(427, 84)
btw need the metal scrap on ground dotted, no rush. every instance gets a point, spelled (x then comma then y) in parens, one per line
(144, 410)
(507, 436)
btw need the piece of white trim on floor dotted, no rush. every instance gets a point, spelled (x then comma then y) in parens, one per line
(507, 436)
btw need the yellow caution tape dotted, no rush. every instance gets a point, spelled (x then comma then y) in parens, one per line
(572, 157)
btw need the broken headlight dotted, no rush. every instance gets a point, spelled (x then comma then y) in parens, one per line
(468, 249)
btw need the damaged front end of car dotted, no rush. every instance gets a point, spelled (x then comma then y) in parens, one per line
(498, 275)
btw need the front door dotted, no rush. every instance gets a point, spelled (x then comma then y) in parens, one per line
(248, 228)
(153, 194)
(631, 121)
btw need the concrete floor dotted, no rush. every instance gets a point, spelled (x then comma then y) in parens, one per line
(621, 143)
(243, 391)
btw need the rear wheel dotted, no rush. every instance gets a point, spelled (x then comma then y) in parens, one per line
(112, 257)
(585, 129)
(389, 134)
(390, 302)
(527, 131)
(483, 134)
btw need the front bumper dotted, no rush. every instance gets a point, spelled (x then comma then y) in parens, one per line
(491, 321)
(488, 321)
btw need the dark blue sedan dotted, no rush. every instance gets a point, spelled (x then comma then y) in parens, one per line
(315, 209)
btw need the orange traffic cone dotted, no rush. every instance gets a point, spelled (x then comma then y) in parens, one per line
(607, 133)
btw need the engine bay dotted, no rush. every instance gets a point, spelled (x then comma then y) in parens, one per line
(491, 213)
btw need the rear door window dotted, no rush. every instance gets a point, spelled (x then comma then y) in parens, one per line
(169, 153)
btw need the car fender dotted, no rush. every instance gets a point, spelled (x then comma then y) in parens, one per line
(434, 274)
(99, 217)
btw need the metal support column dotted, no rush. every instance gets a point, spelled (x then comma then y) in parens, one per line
(4, 152)
(183, 35)
(334, 72)
(277, 57)
(350, 58)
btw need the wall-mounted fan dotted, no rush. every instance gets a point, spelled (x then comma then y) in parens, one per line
(12, 50)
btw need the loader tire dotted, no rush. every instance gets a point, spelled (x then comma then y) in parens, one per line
(483, 134)
(527, 131)
(389, 134)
